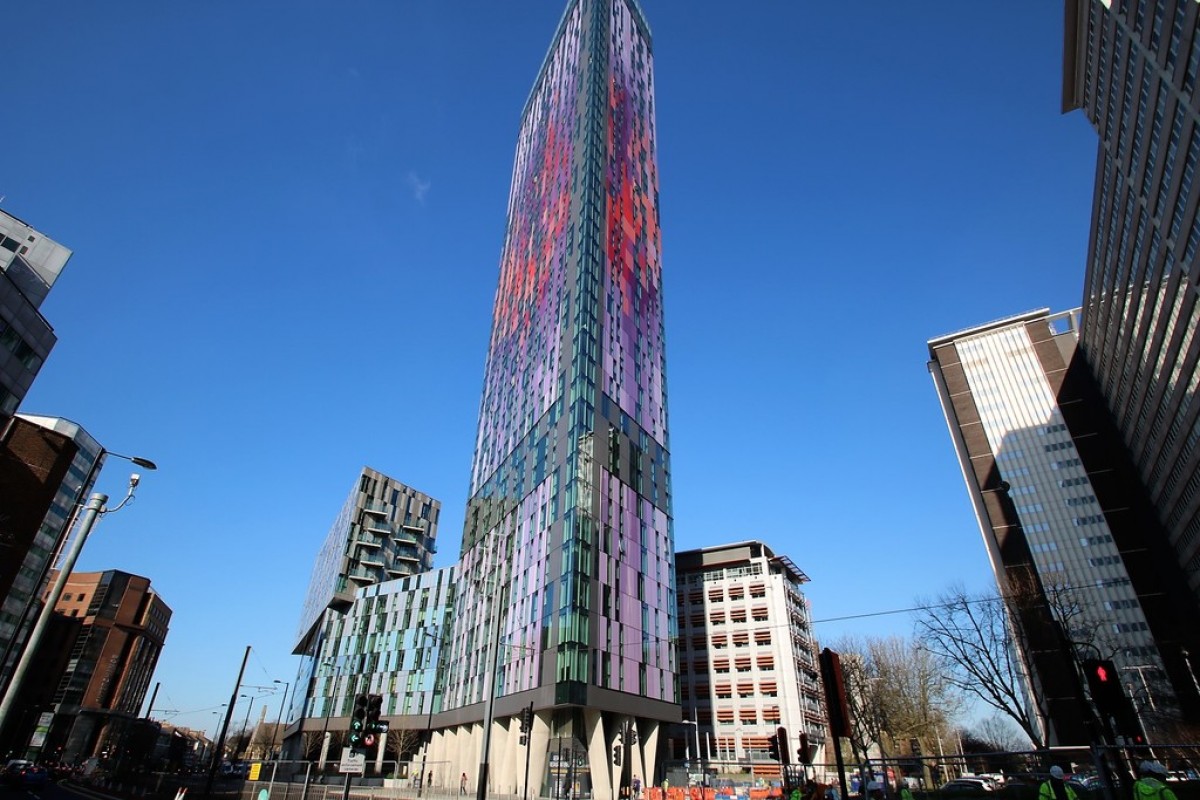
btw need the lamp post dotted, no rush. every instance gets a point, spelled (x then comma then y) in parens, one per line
(246, 725)
(216, 733)
(88, 480)
(91, 513)
(490, 688)
(337, 675)
(428, 721)
(279, 721)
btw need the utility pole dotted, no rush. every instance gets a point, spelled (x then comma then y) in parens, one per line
(212, 770)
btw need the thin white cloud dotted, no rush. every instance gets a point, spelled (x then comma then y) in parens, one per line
(419, 187)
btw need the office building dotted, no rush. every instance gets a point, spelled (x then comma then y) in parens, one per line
(747, 657)
(30, 263)
(1035, 450)
(1131, 68)
(29, 551)
(566, 590)
(93, 667)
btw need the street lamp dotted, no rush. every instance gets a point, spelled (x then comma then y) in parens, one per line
(337, 674)
(279, 720)
(94, 509)
(246, 725)
(428, 722)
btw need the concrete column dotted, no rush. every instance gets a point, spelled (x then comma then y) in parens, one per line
(605, 775)
(539, 744)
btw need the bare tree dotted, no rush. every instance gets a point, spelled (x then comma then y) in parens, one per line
(972, 641)
(1000, 731)
(868, 719)
(401, 743)
(896, 692)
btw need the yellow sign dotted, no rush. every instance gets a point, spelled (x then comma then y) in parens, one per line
(255, 768)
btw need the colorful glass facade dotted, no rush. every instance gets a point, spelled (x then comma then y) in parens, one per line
(568, 534)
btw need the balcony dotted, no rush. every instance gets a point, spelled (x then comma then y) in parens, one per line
(418, 526)
(362, 574)
(370, 540)
(371, 559)
(377, 525)
(375, 507)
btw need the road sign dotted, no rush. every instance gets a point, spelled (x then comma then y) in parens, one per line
(352, 763)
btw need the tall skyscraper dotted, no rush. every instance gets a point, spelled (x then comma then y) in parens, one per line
(1131, 67)
(1036, 450)
(29, 265)
(566, 596)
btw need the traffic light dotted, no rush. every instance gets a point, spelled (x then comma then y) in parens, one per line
(526, 723)
(802, 753)
(631, 733)
(617, 755)
(773, 746)
(1109, 697)
(835, 693)
(374, 708)
(785, 752)
(358, 722)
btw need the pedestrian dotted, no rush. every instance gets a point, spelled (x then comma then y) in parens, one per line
(666, 784)
(1149, 785)
(462, 784)
(637, 786)
(902, 790)
(1056, 788)
(875, 790)
(429, 783)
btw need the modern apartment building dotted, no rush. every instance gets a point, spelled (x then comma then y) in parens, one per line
(747, 657)
(1131, 66)
(28, 557)
(384, 533)
(566, 590)
(385, 530)
(389, 642)
(1036, 451)
(93, 667)
(29, 265)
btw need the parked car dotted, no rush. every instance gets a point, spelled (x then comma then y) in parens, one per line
(21, 773)
(968, 786)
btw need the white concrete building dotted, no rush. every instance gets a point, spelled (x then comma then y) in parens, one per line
(747, 657)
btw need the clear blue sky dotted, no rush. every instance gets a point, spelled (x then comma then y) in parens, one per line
(287, 219)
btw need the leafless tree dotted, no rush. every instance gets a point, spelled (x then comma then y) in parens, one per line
(970, 638)
(401, 742)
(896, 692)
(1000, 731)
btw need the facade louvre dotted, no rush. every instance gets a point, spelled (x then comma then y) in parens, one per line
(566, 595)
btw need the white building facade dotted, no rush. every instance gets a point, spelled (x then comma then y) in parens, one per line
(748, 659)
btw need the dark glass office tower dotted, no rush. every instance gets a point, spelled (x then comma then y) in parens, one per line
(566, 599)
(1131, 66)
